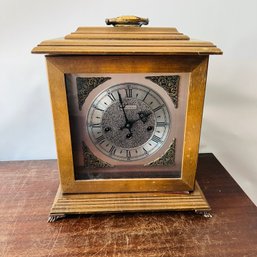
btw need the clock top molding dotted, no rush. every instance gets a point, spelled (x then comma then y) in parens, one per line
(127, 38)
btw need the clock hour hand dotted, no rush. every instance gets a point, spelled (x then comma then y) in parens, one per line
(143, 116)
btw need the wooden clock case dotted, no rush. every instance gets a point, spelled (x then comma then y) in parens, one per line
(127, 49)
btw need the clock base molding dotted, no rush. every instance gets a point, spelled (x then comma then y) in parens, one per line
(65, 204)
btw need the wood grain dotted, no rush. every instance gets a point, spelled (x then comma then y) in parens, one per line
(126, 41)
(194, 113)
(28, 188)
(127, 50)
(60, 65)
(128, 202)
(62, 125)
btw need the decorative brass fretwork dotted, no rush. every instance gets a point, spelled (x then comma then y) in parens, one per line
(90, 161)
(86, 85)
(168, 159)
(170, 84)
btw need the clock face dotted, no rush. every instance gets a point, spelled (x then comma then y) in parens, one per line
(127, 123)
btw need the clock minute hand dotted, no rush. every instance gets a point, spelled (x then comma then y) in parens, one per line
(127, 123)
(122, 107)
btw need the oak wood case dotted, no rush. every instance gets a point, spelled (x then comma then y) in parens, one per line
(58, 66)
(128, 50)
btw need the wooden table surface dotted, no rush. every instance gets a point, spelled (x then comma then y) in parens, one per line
(28, 189)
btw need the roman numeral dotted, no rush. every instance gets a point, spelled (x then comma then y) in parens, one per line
(99, 109)
(146, 95)
(112, 150)
(128, 154)
(156, 139)
(111, 96)
(128, 92)
(158, 108)
(161, 124)
(96, 125)
(145, 151)
(100, 139)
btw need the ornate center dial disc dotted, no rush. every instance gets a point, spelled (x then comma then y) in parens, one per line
(141, 122)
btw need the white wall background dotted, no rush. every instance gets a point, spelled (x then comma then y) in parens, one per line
(230, 114)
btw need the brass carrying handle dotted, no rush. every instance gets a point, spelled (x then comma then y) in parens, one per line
(127, 21)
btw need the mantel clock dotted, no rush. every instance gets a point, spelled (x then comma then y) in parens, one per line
(127, 105)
